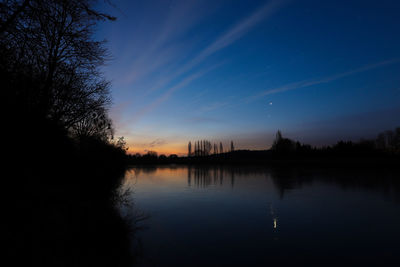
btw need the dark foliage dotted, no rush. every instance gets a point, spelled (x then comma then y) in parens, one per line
(384, 150)
(63, 167)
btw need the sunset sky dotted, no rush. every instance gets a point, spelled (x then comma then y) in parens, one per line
(185, 70)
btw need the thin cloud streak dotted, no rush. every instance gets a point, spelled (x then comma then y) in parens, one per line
(157, 142)
(239, 30)
(171, 90)
(180, 18)
(226, 39)
(308, 83)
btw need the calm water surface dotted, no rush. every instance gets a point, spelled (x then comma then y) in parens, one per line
(257, 216)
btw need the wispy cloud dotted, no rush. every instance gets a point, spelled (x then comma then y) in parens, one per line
(167, 94)
(159, 50)
(226, 39)
(157, 142)
(308, 83)
(239, 30)
(156, 56)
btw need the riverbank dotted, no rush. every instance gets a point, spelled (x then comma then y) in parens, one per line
(269, 158)
(61, 203)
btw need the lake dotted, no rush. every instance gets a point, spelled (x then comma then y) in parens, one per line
(256, 216)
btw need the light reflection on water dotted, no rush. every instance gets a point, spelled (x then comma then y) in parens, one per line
(257, 216)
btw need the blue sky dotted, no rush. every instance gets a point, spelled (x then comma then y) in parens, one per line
(319, 71)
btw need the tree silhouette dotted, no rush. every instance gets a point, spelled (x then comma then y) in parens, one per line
(283, 145)
(57, 100)
(278, 136)
(201, 148)
(96, 125)
(10, 12)
(50, 63)
(389, 140)
(121, 143)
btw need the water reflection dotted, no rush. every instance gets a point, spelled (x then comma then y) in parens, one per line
(274, 217)
(206, 176)
(260, 216)
(287, 179)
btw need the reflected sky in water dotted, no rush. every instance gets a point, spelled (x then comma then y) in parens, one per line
(258, 216)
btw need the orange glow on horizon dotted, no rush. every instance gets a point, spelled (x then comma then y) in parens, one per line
(167, 149)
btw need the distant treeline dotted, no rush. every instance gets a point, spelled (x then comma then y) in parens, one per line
(386, 143)
(384, 148)
(205, 148)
